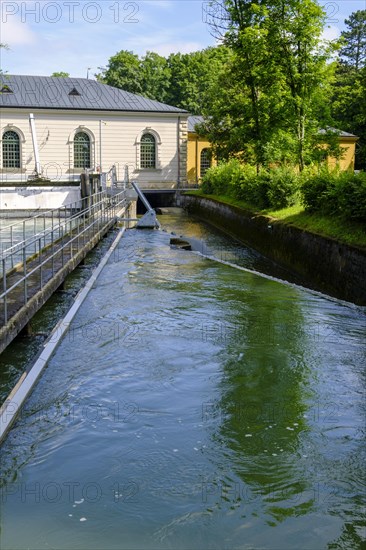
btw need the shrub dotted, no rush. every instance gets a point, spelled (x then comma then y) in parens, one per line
(341, 194)
(258, 190)
(283, 187)
(351, 196)
(217, 179)
(314, 190)
(276, 188)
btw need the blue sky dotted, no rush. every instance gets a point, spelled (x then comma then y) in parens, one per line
(74, 35)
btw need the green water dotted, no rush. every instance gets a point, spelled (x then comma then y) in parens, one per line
(193, 405)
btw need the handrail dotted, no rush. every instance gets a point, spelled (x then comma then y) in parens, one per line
(78, 228)
(49, 229)
(46, 213)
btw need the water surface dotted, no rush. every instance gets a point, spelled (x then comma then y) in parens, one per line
(193, 406)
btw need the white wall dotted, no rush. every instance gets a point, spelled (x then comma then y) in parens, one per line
(120, 134)
(38, 198)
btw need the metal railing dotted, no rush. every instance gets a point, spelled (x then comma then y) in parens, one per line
(28, 265)
(21, 231)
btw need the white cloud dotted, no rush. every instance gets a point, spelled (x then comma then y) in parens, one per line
(331, 33)
(14, 32)
(174, 47)
(163, 4)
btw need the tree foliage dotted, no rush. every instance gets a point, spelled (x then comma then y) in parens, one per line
(265, 92)
(60, 74)
(193, 74)
(123, 71)
(353, 51)
(180, 79)
(279, 78)
(349, 90)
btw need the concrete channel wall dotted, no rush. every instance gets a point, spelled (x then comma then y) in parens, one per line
(324, 264)
(12, 406)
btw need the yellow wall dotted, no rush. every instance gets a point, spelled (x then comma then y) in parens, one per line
(347, 162)
(195, 146)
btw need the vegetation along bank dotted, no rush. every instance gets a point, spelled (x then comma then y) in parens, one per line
(318, 234)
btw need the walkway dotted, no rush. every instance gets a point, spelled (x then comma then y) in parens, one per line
(59, 249)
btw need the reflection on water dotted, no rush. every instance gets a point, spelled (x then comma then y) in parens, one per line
(193, 405)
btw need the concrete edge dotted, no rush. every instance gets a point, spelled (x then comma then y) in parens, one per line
(14, 403)
(327, 266)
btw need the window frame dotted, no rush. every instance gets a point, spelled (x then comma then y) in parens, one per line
(206, 151)
(76, 154)
(148, 158)
(18, 165)
(158, 143)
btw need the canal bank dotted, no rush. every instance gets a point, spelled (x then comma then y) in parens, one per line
(325, 264)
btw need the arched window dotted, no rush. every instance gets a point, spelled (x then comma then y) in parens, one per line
(205, 161)
(82, 150)
(148, 151)
(11, 150)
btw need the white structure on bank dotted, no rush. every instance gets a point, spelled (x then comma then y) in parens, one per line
(83, 124)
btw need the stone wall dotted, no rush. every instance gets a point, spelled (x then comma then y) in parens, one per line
(325, 264)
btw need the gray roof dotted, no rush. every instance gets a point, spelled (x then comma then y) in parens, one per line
(192, 121)
(46, 92)
(336, 131)
(196, 119)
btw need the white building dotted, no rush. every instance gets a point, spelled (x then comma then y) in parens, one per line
(81, 124)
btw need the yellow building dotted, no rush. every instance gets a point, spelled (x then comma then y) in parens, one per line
(199, 157)
(347, 143)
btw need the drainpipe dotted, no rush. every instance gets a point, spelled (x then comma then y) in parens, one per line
(100, 146)
(35, 144)
(178, 143)
(197, 167)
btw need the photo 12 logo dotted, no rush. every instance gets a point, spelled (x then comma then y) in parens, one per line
(71, 12)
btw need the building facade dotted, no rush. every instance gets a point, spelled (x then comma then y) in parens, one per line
(83, 124)
(199, 157)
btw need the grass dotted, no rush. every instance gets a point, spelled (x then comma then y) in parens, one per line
(336, 228)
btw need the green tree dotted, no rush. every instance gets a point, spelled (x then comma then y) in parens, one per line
(155, 77)
(238, 119)
(354, 49)
(60, 74)
(123, 71)
(349, 90)
(193, 74)
(281, 63)
(295, 34)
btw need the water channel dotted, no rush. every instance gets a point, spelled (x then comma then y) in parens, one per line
(193, 405)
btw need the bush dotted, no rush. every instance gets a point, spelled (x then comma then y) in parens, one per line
(217, 180)
(257, 190)
(275, 188)
(332, 193)
(314, 190)
(351, 196)
(283, 188)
